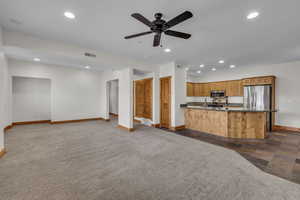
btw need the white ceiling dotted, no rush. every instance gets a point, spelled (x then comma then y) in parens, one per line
(219, 28)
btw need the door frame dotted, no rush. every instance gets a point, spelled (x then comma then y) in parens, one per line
(134, 100)
(170, 100)
(107, 88)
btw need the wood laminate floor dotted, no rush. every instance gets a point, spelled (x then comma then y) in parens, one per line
(279, 154)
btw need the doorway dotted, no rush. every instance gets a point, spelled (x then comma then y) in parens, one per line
(143, 99)
(113, 98)
(165, 102)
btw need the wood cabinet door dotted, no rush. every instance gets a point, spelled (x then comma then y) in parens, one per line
(189, 89)
(212, 86)
(207, 89)
(165, 102)
(201, 91)
(228, 91)
(139, 98)
(143, 98)
(196, 89)
(265, 80)
(148, 98)
(233, 88)
(241, 88)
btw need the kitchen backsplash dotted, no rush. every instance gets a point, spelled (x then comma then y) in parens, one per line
(208, 99)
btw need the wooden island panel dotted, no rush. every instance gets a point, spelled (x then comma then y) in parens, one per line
(241, 125)
(247, 125)
(207, 121)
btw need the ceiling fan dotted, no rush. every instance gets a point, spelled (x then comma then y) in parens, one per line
(159, 26)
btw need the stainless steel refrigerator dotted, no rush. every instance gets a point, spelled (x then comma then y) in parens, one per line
(259, 98)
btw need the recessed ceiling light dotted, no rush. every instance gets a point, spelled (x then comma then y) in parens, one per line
(69, 15)
(167, 50)
(87, 67)
(202, 66)
(37, 59)
(253, 15)
(187, 69)
(221, 61)
(232, 66)
(199, 72)
(214, 69)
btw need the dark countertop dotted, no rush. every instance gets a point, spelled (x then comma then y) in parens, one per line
(204, 104)
(238, 109)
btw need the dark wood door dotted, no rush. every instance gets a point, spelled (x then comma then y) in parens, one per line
(165, 102)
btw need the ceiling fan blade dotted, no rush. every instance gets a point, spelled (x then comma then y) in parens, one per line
(137, 35)
(142, 19)
(178, 34)
(180, 18)
(156, 41)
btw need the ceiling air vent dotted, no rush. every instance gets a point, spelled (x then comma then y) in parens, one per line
(90, 55)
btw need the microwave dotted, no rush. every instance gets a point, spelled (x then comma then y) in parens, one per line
(217, 93)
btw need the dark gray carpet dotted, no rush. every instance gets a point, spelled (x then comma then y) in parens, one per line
(95, 160)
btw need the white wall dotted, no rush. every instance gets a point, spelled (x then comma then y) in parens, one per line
(31, 99)
(114, 96)
(3, 92)
(125, 78)
(287, 87)
(126, 98)
(75, 94)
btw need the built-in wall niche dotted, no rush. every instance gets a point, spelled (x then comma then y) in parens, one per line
(31, 99)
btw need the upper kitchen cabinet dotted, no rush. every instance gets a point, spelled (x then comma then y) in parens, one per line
(206, 89)
(198, 89)
(190, 89)
(264, 80)
(234, 88)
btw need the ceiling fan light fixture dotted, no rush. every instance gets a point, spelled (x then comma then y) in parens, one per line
(159, 26)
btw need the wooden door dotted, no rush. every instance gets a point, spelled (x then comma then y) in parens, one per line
(148, 98)
(165, 102)
(143, 98)
(139, 98)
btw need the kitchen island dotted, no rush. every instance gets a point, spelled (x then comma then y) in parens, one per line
(240, 123)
